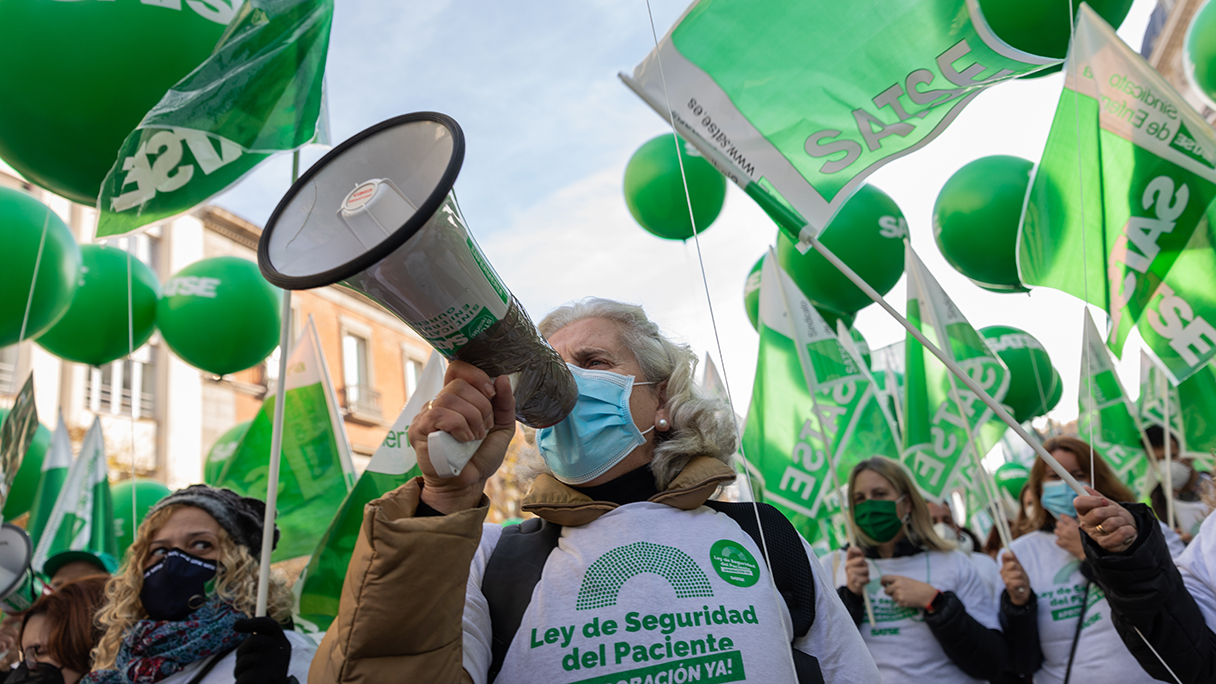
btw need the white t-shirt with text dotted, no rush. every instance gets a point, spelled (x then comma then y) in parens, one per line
(650, 594)
(1056, 579)
(903, 646)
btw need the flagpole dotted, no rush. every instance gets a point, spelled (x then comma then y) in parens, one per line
(794, 224)
(812, 389)
(276, 439)
(1169, 475)
(988, 487)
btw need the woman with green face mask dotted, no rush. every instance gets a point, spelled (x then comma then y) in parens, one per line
(934, 618)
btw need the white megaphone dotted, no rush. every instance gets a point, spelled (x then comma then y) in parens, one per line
(376, 215)
(20, 586)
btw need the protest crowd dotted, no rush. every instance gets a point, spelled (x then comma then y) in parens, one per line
(909, 513)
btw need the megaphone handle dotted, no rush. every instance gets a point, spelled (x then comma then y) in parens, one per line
(448, 455)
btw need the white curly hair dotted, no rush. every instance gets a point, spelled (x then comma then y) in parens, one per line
(701, 425)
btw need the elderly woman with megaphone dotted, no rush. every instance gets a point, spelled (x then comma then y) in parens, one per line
(630, 572)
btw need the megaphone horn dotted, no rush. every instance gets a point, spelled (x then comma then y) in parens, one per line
(20, 586)
(377, 215)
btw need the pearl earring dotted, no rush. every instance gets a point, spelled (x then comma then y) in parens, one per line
(663, 424)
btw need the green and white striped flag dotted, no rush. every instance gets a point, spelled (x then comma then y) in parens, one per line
(55, 466)
(803, 367)
(936, 446)
(1117, 211)
(1109, 421)
(799, 102)
(81, 524)
(315, 472)
(261, 91)
(394, 463)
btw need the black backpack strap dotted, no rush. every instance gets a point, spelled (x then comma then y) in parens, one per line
(790, 567)
(511, 574)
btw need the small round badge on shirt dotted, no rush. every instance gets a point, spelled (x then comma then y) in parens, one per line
(734, 563)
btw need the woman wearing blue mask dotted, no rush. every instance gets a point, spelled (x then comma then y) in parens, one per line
(629, 572)
(1056, 618)
(180, 610)
(935, 618)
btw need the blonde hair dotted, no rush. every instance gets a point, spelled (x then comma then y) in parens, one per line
(236, 582)
(701, 425)
(919, 520)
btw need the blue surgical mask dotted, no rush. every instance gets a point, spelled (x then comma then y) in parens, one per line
(598, 434)
(1058, 497)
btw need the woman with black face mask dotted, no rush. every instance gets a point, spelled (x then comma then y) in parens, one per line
(57, 634)
(179, 611)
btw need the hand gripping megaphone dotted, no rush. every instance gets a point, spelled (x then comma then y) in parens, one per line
(376, 215)
(20, 586)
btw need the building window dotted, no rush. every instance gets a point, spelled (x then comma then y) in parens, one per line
(8, 370)
(413, 371)
(109, 388)
(362, 402)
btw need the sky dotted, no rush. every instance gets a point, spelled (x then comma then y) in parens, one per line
(549, 129)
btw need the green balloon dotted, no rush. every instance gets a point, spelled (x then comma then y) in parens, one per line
(867, 234)
(1030, 370)
(95, 328)
(220, 315)
(751, 294)
(1042, 27)
(1199, 57)
(222, 450)
(654, 189)
(78, 77)
(21, 220)
(1011, 477)
(1057, 392)
(146, 494)
(975, 220)
(25, 484)
(751, 302)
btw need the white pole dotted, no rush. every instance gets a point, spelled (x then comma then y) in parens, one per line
(276, 438)
(989, 487)
(276, 452)
(1169, 475)
(812, 388)
(949, 363)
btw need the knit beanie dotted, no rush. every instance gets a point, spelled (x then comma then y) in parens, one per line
(241, 516)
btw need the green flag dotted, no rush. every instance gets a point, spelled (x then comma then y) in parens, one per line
(1197, 397)
(809, 393)
(1116, 213)
(55, 466)
(937, 450)
(1159, 398)
(260, 92)
(802, 101)
(394, 464)
(315, 472)
(81, 524)
(1107, 419)
(16, 435)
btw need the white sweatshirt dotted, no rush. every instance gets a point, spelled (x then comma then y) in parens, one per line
(651, 594)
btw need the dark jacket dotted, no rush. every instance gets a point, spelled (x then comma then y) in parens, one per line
(1146, 592)
(976, 650)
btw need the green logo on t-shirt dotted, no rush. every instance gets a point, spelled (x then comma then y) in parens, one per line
(734, 564)
(609, 572)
